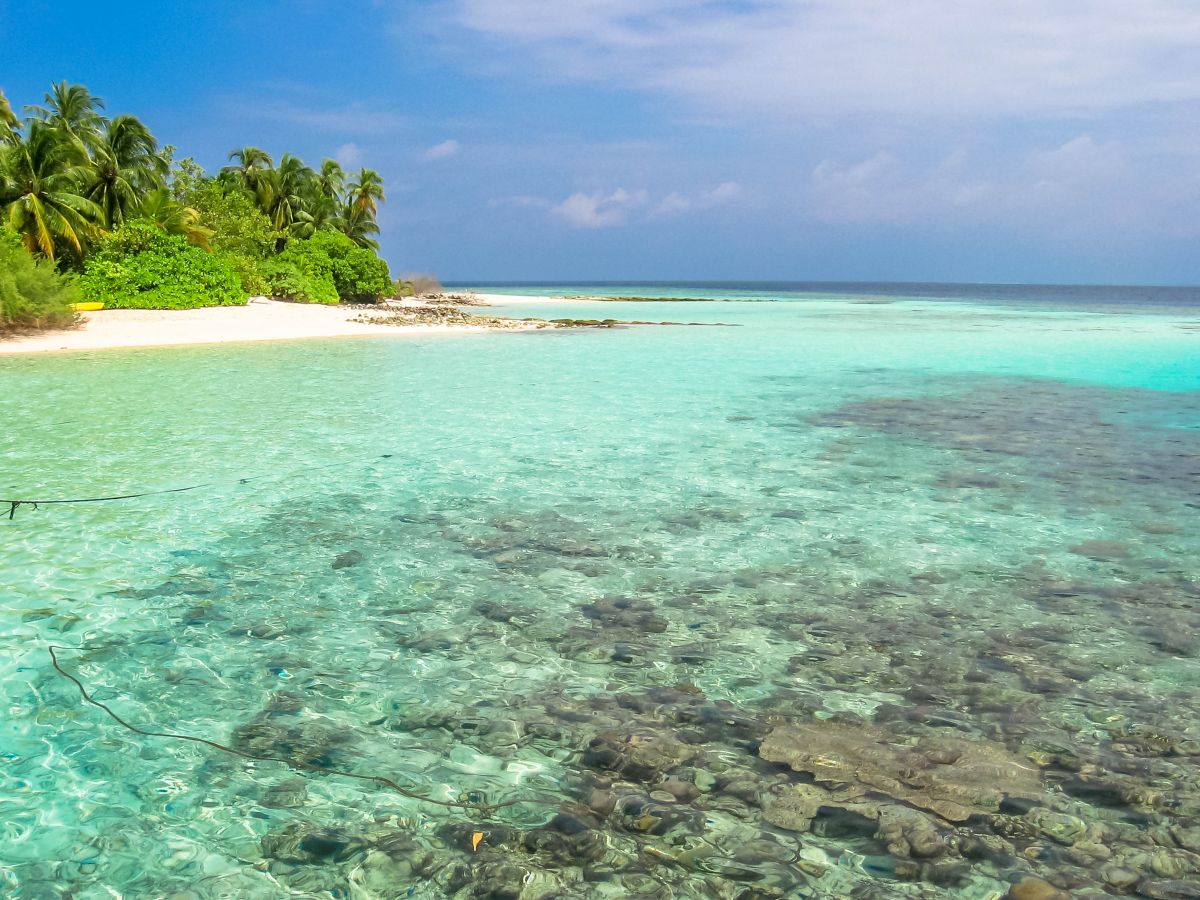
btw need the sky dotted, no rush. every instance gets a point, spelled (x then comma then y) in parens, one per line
(914, 140)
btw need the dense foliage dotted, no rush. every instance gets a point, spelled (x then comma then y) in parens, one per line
(236, 225)
(32, 294)
(328, 267)
(83, 191)
(299, 280)
(139, 266)
(358, 273)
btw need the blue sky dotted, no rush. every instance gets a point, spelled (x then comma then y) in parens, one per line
(979, 140)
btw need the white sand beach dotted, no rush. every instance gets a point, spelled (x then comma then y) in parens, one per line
(259, 320)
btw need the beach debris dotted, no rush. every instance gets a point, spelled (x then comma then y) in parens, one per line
(425, 314)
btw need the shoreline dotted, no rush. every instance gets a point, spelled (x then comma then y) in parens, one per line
(260, 320)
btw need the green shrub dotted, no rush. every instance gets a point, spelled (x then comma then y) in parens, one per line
(250, 274)
(240, 229)
(140, 267)
(328, 267)
(286, 281)
(358, 273)
(32, 294)
(303, 272)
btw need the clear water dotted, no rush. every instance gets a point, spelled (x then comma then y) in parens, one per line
(611, 575)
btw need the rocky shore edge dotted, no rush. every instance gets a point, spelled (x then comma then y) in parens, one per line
(445, 309)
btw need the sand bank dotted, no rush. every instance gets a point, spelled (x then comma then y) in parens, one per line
(529, 299)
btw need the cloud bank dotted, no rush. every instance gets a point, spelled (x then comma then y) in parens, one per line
(786, 59)
(609, 209)
(1060, 130)
(599, 210)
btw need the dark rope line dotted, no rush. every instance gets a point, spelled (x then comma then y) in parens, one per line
(484, 808)
(13, 505)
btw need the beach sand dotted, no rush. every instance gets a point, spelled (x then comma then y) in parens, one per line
(259, 320)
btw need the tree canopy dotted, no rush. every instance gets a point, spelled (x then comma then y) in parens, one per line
(71, 177)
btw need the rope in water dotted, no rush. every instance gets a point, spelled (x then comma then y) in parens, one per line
(13, 505)
(483, 808)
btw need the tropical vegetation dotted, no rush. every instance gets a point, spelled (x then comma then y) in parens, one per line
(97, 201)
(326, 267)
(141, 266)
(33, 294)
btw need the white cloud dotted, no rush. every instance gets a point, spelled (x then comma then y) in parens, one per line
(441, 151)
(676, 203)
(673, 204)
(1080, 159)
(790, 60)
(725, 192)
(349, 156)
(885, 189)
(1078, 190)
(1017, 119)
(599, 210)
(873, 189)
(833, 176)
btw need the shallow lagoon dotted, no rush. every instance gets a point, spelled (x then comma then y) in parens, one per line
(883, 600)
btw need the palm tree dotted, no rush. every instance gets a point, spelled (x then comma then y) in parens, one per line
(40, 193)
(325, 201)
(366, 191)
(358, 225)
(251, 164)
(331, 180)
(73, 110)
(125, 166)
(160, 209)
(8, 121)
(282, 195)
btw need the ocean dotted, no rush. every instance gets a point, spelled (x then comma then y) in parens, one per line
(1144, 298)
(859, 590)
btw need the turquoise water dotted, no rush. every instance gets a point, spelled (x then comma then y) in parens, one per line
(845, 599)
